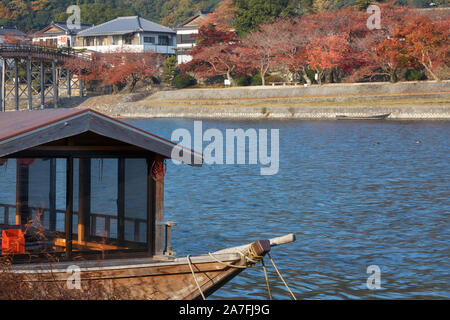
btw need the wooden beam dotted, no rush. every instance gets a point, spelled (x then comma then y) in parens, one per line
(121, 200)
(84, 199)
(29, 85)
(52, 195)
(151, 223)
(42, 84)
(69, 206)
(86, 148)
(22, 194)
(158, 207)
(55, 84)
(69, 83)
(16, 84)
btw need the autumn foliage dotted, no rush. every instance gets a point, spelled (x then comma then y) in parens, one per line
(118, 69)
(335, 45)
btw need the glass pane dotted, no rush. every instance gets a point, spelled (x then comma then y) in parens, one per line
(104, 192)
(135, 200)
(7, 191)
(33, 191)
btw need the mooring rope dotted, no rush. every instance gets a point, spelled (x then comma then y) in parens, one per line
(193, 275)
(281, 277)
(227, 264)
(267, 279)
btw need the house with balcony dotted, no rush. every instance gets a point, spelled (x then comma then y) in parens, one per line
(186, 32)
(133, 34)
(58, 34)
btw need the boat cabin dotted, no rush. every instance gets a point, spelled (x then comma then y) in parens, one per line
(78, 184)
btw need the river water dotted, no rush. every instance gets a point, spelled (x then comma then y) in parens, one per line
(355, 193)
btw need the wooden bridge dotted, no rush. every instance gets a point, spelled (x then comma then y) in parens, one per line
(31, 71)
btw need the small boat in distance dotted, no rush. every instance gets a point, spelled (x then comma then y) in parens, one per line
(374, 117)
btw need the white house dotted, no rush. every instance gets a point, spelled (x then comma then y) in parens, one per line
(186, 32)
(134, 34)
(58, 34)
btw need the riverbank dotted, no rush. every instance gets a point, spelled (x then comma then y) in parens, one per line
(404, 101)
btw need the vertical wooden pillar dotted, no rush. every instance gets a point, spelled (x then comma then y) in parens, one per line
(81, 86)
(42, 83)
(156, 214)
(84, 199)
(16, 84)
(55, 84)
(2, 88)
(22, 210)
(52, 195)
(69, 83)
(29, 85)
(121, 200)
(151, 223)
(68, 226)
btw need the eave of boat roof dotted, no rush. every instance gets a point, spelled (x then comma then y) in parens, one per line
(92, 121)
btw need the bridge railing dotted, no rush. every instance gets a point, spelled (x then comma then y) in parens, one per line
(31, 48)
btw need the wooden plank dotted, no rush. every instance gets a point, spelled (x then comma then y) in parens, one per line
(151, 223)
(84, 198)
(52, 196)
(22, 210)
(121, 199)
(69, 207)
(159, 214)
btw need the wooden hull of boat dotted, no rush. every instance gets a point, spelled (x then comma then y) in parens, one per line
(151, 278)
(171, 280)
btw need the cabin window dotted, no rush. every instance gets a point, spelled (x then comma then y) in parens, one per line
(109, 203)
(33, 198)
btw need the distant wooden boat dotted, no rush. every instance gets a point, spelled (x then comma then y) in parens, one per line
(184, 278)
(374, 117)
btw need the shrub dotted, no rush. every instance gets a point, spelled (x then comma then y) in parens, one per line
(274, 78)
(243, 81)
(256, 80)
(183, 81)
(413, 75)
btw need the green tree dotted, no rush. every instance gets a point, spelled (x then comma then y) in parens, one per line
(170, 70)
(252, 13)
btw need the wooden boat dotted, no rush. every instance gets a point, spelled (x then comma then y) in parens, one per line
(146, 278)
(373, 117)
(57, 170)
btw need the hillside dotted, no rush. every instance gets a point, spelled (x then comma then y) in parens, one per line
(32, 15)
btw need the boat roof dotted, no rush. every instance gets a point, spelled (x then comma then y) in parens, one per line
(21, 130)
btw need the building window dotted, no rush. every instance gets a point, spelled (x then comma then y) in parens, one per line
(89, 41)
(116, 40)
(186, 38)
(149, 40)
(101, 41)
(163, 40)
(128, 38)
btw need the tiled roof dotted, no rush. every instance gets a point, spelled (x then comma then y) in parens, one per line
(13, 31)
(123, 25)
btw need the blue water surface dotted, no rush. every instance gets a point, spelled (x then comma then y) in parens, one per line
(355, 193)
